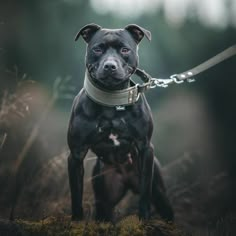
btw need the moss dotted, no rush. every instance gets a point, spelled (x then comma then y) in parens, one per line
(163, 228)
(129, 226)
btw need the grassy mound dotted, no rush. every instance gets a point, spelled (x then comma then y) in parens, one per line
(62, 226)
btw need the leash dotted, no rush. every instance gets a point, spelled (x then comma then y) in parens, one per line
(121, 98)
(188, 75)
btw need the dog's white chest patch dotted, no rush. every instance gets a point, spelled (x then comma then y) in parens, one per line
(114, 137)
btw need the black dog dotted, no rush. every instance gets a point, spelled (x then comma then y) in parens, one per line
(118, 135)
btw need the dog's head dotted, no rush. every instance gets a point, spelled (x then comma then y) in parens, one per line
(112, 54)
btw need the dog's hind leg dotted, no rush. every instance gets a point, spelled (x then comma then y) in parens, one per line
(109, 189)
(159, 197)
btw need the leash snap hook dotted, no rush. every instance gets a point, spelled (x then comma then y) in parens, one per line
(176, 79)
(164, 83)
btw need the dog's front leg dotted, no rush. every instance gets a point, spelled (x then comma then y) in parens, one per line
(146, 175)
(76, 175)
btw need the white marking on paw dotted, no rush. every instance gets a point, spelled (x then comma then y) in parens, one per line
(114, 137)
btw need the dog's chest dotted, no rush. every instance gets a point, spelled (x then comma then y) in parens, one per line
(113, 139)
(112, 132)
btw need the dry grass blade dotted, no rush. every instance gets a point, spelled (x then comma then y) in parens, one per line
(3, 140)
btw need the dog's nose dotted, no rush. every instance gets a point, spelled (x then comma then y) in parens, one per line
(110, 66)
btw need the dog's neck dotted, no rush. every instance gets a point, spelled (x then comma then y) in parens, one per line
(128, 95)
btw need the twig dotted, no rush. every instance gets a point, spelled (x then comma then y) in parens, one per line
(3, 140)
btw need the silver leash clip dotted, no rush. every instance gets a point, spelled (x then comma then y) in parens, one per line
(176, 79)
(164, 83)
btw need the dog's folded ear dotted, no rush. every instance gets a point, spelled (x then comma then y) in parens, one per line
(88, 31)
(138, 32)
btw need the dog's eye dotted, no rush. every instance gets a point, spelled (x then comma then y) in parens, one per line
(97, 51)
(125, 50)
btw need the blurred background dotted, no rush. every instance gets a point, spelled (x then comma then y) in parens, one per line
(42, 69)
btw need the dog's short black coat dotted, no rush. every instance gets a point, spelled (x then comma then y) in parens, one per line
(120, 139)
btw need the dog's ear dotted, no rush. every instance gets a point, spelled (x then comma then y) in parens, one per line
(138, 32)
(88, 31)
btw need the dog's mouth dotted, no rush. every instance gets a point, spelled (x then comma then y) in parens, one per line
(110, 81)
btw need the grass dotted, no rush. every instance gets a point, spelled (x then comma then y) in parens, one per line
(129, 226)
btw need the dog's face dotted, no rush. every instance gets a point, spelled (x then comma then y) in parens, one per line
(112, 54)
